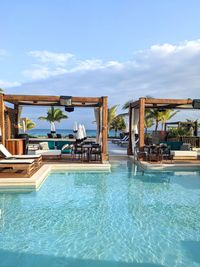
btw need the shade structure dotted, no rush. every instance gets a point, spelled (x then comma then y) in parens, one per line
(84, 131)
(53, 127)
(79, 134)
(75, 127)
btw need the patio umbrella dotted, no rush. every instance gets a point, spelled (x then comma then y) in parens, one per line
(53, 127)
(79, 134)
(84, 131)
(75, 128)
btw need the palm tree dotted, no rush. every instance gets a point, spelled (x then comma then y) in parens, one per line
(111, 115)
(29, 124)
(1, 91)
(161, 116)
(148, 121)
(118, 124)
(126, 104)
(54, 115)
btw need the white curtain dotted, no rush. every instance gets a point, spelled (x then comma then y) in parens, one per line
(134, 126)
(98, 119)
(19, 115)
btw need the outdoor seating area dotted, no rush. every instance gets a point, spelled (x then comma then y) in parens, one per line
(22, 156)
(169, 144)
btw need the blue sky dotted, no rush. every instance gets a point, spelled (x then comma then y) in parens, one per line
(123, 49)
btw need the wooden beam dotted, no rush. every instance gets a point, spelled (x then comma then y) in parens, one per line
(141, 123)
(2, 120)
(129, 150)
(134, 104)
(168, 101)
(46, 98)
(18, 98)
(104, 128)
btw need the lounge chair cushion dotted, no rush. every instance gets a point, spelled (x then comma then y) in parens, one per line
(4, 151)
(26, 156)
(48, 152)
(16, 161)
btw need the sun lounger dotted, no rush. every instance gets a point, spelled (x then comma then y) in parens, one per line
(7, 155)
(116, 141)
(26, 165)
(125, 141)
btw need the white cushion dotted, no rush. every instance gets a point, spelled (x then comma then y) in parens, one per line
(26, 156)
(50, 152)
(183, 153)
(16, 161)
(44, 146)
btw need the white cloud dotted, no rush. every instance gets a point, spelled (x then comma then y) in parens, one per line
(53, 64)
(163, 71)
(42, 72)
(166, 70)
(7, 84)
(59, 59)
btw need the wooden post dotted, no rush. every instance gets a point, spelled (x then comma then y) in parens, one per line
(2, 120)
(104, 128)
(129, 150)
(141, 122)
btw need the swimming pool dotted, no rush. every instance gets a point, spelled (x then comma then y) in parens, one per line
(123, 218)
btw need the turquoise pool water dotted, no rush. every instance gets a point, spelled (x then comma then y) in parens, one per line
(121, 219)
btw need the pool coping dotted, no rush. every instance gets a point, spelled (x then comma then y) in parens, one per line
(34, 183)
(164, 167)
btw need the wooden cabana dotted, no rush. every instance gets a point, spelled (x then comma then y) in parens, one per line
(137, 115)
(9, 116)
(179, 124)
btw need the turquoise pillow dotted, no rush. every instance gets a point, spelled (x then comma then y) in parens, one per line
(51, 144)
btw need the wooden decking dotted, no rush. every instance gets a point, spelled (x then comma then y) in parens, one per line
(20, 173)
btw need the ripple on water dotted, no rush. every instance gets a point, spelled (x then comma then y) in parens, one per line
(113, 216)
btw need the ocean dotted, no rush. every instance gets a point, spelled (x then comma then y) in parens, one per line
(64, 132)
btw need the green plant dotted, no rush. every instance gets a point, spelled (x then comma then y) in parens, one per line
(177, 132)
(161, 116)
(118, 124)
(111, 115)
(54, 115)
(29, 124)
